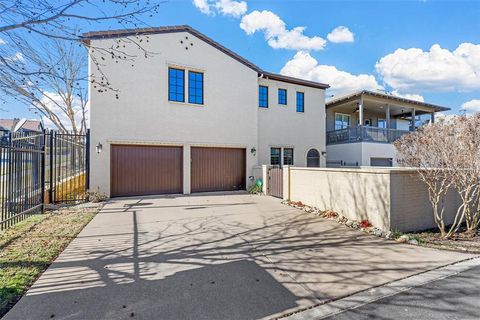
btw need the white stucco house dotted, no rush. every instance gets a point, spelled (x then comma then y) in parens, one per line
(362, 126)
(188, 115)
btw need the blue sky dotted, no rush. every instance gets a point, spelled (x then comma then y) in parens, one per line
(449, 76)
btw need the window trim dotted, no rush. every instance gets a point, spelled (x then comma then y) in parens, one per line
(342, 114)
(203, 86)
(303, 101)
(168, 92)
(286, 96)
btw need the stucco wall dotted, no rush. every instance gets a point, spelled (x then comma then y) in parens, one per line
(230, 116)
(281, 126)
(361, 152)
(391, 199)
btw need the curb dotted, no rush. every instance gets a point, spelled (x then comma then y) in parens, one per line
(371, 295)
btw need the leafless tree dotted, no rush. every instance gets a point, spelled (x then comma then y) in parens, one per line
(59, 95)
(446, 156)
(42, 62)
(428, 150)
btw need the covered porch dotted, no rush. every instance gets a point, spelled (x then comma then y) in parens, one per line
(368, 116)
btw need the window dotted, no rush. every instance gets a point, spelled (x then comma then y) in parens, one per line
(300, 102)
(288, 156)
(382, 123)
(263, 97)
(342, 121)
(313, 158)
(282, 96)
(275, 156)
(195, 87)
(176, 85)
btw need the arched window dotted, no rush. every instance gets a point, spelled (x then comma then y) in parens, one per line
(313, 158)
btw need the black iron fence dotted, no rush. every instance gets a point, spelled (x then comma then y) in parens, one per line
(40, 168)
(364, 134)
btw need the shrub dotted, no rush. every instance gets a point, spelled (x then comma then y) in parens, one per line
(365, 224)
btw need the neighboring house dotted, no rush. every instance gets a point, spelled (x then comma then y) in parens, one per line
(193, 116)
(362, 126)
(8, 126)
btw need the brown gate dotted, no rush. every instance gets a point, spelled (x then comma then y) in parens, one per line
(146, 170)
(275, 182)
(217, 169)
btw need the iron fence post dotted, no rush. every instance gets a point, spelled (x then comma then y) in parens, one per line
(51, 148)
(87, 161)
(44, 142)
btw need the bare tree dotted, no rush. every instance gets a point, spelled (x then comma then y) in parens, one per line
(60, 19)
(59, 95)
(446, 156)
(427, 150)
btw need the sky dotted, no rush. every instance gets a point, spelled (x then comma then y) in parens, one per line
(424, 50)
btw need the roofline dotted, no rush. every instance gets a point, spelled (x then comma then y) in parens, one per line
(95, 35)
(353, 95)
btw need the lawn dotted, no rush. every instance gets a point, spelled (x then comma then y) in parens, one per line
(28, 248)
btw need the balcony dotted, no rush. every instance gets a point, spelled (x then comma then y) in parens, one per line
(364, 134)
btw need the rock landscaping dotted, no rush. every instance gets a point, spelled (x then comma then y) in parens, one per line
(462, 242)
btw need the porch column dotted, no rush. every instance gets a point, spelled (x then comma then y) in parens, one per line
(413, 119)
(432, 117)
(360, 112)
(387, 115)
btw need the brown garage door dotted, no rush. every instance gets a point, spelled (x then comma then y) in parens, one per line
(217, 169)
(146, 170)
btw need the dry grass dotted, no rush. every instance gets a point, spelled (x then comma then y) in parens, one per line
(28, 248)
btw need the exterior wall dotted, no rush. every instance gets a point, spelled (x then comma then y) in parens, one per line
(391, 199)
(355, 193)
(230, 116)
(143, 114)
(361, 152)
(282, 126)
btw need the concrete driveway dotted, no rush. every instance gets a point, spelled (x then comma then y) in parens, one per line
(231, 256)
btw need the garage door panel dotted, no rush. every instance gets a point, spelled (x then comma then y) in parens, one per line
(146, 170)
(217, 169)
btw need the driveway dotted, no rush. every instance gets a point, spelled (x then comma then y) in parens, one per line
(231, 256)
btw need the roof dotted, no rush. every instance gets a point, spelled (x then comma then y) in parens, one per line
(95, 35)
(17, 124)
(358, 94)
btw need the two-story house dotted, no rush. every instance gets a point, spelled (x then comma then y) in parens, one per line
(362, 126)
(188, 115)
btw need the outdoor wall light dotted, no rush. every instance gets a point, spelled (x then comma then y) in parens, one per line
(324, 153)
(99, 147)
(253, 151)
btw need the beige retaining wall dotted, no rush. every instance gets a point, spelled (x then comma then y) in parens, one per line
(391, 199)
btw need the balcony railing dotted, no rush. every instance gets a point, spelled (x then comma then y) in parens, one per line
(364, 134)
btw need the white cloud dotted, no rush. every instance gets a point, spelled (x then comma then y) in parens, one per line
(203, 6)
(54, 106)
(341, 34)
(225, 7)
(435, 70)
(470, 107)
(231, 8)
(276, 33)
(411, 96)
(2, 41)
(304, 66)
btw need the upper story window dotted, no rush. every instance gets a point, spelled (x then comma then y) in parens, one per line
(275, 156)
(176, 85)
(382, 123)
(282, 96)
(288, 156)
(195, 87)
(263, 97)
(342, 121)
(300, 102)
